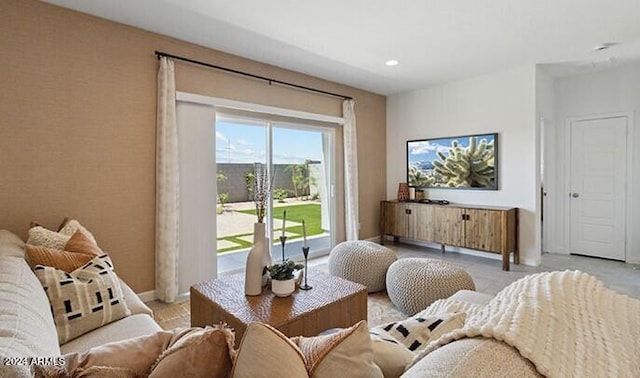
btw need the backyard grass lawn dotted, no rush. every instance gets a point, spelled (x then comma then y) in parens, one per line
(295, 213)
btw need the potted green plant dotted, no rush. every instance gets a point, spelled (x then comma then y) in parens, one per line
(282, 277)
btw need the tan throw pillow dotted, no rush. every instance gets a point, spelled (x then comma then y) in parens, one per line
(78, 251)
(85, 299)
(417, 332)
(265, 350)
(260, 348)
(199, 352)
(345, 353)
(191, 352)
(136, 354)
(71, 226)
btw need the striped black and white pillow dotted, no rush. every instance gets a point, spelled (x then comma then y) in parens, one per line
(416, 332)
(85, 299)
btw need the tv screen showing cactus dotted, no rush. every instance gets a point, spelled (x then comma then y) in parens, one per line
(463, 162)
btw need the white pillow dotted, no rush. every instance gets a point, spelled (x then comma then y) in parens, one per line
(85, 299)
(416, 332)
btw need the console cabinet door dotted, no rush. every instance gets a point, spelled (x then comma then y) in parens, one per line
(395, 220)
(423, 225)
(483, 229)
(449, 226)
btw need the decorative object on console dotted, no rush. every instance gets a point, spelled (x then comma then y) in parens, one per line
(420, 195)
(254, 271)
(412, 194)
(283, 281)
(435, 202)
(283, 236)
(305, 252)
(464, 162)
(283, 242)
(259, 257)
(403, 191)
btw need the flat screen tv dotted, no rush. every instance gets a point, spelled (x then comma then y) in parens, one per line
(462, 162)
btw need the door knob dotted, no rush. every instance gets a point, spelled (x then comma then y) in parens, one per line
(575, 195)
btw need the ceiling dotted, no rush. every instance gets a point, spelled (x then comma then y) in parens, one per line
(434, 40)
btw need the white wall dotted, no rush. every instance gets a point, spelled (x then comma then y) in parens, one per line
(545, 146)
(502, 102)
(611, 91)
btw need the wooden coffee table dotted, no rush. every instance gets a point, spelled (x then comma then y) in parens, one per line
(333, 302)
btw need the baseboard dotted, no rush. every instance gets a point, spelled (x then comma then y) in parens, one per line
(375, 239)
(147, 296)
(150, 295)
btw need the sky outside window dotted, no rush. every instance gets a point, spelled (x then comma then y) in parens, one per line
(245, 143)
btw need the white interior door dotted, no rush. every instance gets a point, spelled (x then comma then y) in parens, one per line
(597, 187)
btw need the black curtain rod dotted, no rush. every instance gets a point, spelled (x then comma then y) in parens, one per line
(269, 80)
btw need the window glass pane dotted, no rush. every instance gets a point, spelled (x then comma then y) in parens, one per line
(300, 158)
(300, 189)
(239, 146)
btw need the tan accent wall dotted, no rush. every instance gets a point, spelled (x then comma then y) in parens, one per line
(77, 125)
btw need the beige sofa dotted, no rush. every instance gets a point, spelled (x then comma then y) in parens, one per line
(26, 323)
(27, 328)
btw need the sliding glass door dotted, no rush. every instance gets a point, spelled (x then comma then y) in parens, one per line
(299, 160)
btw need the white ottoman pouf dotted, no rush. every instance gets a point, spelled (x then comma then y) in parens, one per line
(363, 262)
(415, 283)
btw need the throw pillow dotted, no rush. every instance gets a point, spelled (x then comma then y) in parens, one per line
(36, 224)
(42, 237)
(416, 332)
(85, 299)
(345, 353)
(390, 356)
(200, 352)
(78, 251)
(267, 350)
(136, 354)
(159, 354)
(71, 226)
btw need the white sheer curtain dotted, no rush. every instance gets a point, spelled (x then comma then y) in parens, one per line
(350, 171)
(167, 186)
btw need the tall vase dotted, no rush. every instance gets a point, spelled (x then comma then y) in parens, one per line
(256, 261)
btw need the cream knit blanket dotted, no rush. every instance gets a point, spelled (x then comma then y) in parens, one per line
(566, 323)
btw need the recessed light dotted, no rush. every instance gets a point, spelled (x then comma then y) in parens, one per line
(604, 46)
(391, 62)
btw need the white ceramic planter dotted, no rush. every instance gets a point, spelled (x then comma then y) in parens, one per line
(283, 288)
